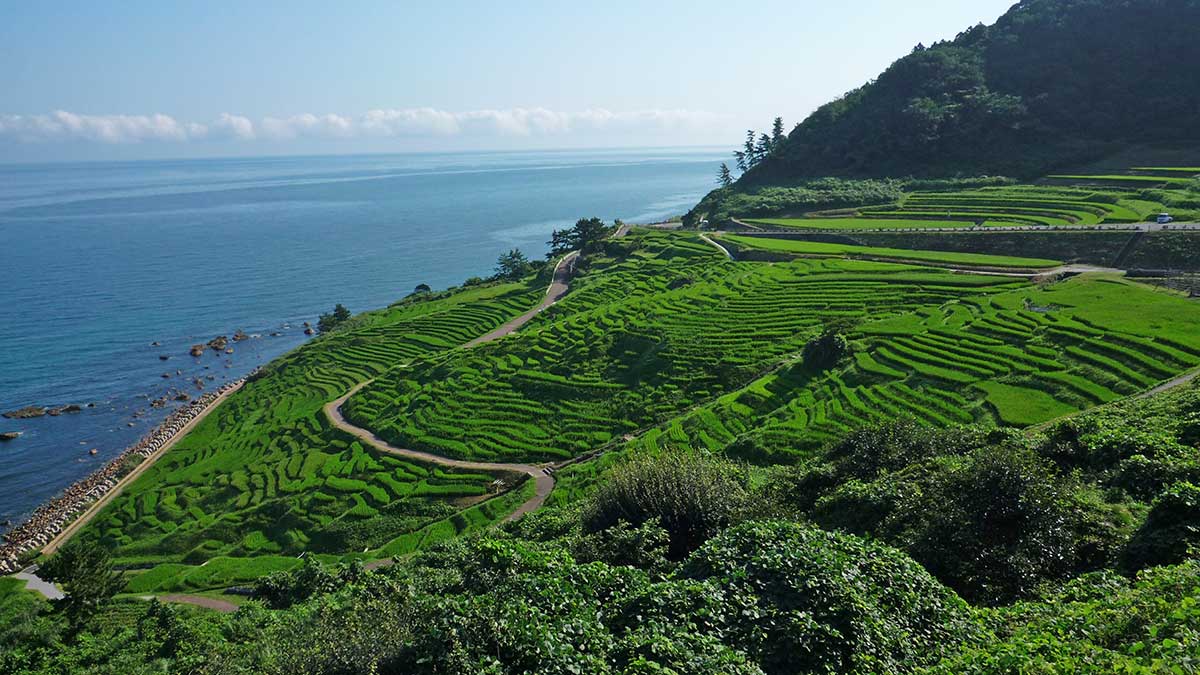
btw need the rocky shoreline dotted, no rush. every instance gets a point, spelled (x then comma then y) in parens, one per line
(50, 518)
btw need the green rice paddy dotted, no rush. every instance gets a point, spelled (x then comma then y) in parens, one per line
(814, 248)
(1015, 358)
(266, 475)
(860, 223)
(662, 342)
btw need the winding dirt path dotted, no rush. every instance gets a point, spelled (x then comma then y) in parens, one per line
(540, 473)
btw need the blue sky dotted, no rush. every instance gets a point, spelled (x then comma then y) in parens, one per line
(118, 80)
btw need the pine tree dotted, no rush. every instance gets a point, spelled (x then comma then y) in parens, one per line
(762, 149)
(777, 136)
(512, 265)
(748, 148)
(740, 159)
(724, 177)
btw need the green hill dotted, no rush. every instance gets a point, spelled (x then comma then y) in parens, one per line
(1052, 83)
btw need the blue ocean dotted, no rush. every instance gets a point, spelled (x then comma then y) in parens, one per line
(109, 272)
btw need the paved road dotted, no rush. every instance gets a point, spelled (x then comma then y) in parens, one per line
(35, 583)
(719, 247)
(558, 288)
(541, 474)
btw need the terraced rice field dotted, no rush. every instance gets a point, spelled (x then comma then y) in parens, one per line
(1015, 358)
(265, 474)
(1059, 206)
(814, 248)
(637, 342)
(1126, 178)
(1019, 205)
(861, 223)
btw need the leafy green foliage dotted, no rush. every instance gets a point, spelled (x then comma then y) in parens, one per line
(586, 236)
(512, 265)
(691, 496)
(825, 350)
(85, 572)
(339, 316)
(1171, 532)
(802, 600)
(1000, 99)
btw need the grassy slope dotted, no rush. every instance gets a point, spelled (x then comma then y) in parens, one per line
(637, 342)
(827, 249)
(859, 223)
(1077, 344)
(265, 474)
(697, 350)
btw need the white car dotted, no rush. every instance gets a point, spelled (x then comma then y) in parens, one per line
(1164, 218)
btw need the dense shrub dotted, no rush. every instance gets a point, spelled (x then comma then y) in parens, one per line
(1171, 531)
(692, 496)
(993, 526)
(1097, 625)
(985, 514)
(825, 350)
(284, 589)
(803, 600)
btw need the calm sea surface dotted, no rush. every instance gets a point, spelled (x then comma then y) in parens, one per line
(100, 260)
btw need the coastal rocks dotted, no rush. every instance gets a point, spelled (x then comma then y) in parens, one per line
(229, 350)
(52, 517)
(182, 396)
(156, 343)
(163, 357)
(197, 350)
(166, 376)
(238, 336)
(28, 412)
(218, 343)
(309, 331)
(72, 408)
(9, 436)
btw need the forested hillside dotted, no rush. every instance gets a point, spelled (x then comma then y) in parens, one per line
(1051, 83)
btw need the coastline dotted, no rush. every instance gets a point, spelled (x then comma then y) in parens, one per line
(55, 521)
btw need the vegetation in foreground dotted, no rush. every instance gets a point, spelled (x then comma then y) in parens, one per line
(892, 551)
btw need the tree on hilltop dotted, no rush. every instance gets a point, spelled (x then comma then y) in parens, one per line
(724, 177)
(586, 234)
(339, 315)
(777, 136)
(512, 265)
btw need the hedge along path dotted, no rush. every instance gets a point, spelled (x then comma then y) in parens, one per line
(541, 474)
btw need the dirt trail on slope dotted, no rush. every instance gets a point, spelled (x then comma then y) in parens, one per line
(540, 473)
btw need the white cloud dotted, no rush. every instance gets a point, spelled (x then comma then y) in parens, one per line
(63, 125)
(410, 122)
(233, 126)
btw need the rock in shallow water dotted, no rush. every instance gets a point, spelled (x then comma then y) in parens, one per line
(25, 413)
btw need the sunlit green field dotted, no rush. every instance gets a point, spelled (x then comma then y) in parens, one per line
(814, 248)
(265, 474)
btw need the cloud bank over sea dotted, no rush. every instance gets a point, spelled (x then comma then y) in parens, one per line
(61, 125)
